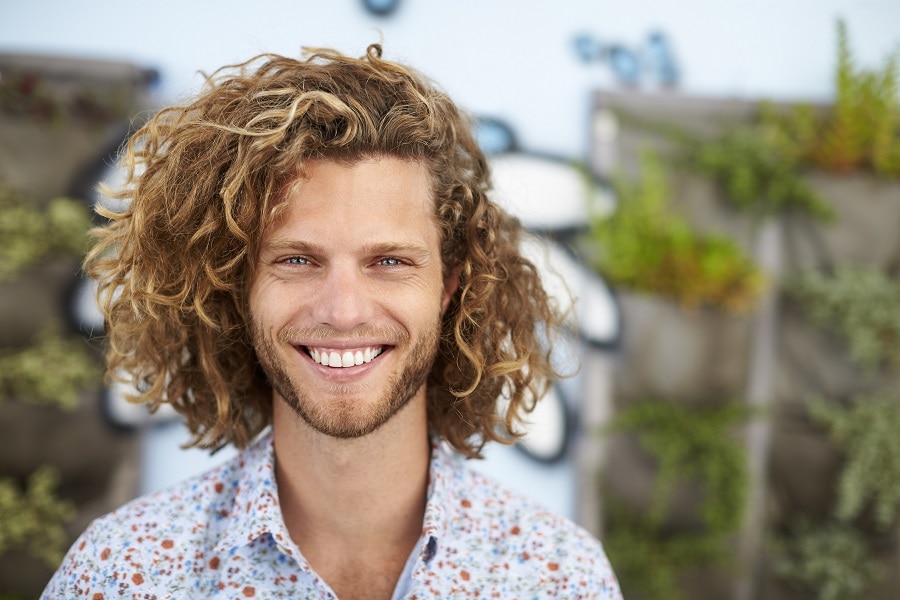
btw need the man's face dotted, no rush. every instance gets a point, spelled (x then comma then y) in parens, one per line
(348, 295)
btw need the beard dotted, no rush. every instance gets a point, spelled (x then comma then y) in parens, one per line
(344, 413)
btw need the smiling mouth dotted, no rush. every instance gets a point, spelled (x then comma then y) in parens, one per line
(343, 358)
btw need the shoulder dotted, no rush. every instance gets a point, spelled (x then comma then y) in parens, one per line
(164, 531)
(497, 535)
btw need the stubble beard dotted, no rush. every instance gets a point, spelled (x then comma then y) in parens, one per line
(341, 415)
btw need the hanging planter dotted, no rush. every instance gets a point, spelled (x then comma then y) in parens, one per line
(677, 495)
(684, 295)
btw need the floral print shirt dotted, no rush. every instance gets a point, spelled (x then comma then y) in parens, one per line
(221, 535)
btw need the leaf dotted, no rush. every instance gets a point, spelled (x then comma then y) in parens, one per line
(867, 433)
(34, 519)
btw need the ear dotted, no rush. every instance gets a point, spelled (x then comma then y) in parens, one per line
(451, 284)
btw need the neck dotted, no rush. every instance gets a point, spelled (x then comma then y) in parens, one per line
(353, 497)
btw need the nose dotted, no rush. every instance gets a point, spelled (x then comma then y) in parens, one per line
(343, 300)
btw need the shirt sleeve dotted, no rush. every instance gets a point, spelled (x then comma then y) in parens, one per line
(87, 571)
(606, 582)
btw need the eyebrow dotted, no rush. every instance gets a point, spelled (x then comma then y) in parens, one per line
(292, 245)
(376, 249)
(388, 248)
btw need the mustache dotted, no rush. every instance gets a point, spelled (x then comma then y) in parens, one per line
(322, 333)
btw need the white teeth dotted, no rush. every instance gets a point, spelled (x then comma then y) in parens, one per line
(349, 358)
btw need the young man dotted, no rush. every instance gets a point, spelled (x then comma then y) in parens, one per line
(309, 245)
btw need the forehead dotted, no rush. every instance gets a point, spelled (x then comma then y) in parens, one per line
(369, 199)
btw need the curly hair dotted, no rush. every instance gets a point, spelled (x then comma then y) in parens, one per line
(206, 179)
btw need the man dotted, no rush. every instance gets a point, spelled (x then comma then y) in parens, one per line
(309, 245)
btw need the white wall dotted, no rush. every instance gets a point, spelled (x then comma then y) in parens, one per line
(512, 58)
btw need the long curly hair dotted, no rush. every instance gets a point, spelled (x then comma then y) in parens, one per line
(206, 179)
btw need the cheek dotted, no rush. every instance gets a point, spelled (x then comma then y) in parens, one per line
(254, 307)
(267, 303)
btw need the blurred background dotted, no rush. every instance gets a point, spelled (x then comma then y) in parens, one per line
(716, 183)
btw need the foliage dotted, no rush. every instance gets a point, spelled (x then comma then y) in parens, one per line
(689, 444)
(758, 172)
(54, 370)
(34, 519)
(791, 130)
(860, 131)
(868, 433)
(832, 561)
(30, 95)
(862, 305)
(30, 235)
(642, 246)
(693, 443)
(27, 95)
(648, 561)
(759, 166)
(51, 372)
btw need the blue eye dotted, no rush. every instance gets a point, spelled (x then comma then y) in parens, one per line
(390, 262)
(297, 260)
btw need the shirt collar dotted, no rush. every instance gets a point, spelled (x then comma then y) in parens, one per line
(440, 504)
(255, 510)
(435, 522)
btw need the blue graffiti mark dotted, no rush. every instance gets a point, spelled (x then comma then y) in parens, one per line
(653, 60)
(659, 54)
(381, 8)
(587, 48)
(625, 64)
(494, 136)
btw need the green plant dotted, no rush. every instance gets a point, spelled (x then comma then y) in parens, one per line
(884, 91)
(689, 444)
(30, 95)
(30, 235)
(832, 561)
(862, 304)
(647, 560)
(34, 519)
(867, 432)
(27, 95)
(642, 246)
(52, 371)
(693, 443)
(861, 130)
(756, 167)
(791, 130)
